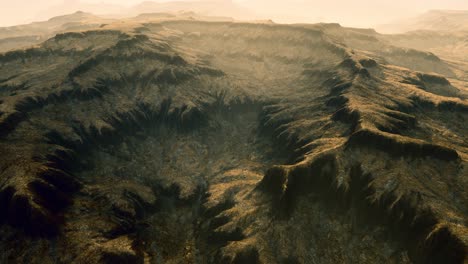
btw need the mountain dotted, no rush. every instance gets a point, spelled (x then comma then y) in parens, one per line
(226, 8)
(27, 35)
(435, 20)
(213, 8)
(94, 15)
(439, 31)
(53, 25)
(71, 6)
(166, 139)
(452, 46)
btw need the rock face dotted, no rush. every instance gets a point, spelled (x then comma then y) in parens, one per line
(221, 142)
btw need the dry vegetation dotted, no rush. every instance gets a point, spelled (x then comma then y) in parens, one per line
(182, 141)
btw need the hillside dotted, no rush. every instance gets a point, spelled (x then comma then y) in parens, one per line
(177, 140)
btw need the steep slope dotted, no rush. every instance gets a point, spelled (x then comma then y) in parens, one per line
(219, 142)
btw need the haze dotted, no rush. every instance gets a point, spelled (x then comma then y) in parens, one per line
(358, 13)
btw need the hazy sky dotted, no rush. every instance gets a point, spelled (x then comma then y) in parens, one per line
(362, 13)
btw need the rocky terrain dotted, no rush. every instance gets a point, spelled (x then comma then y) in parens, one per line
(168, 139)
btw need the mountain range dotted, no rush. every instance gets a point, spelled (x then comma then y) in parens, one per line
(182, 137)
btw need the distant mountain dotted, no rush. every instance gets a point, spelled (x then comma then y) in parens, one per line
(181, 15)
(92, 16)
(71, 6)
(55, 24)
(225, 8)
(436, 20)
(26, 35)
(442, 32)
(23, 36)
